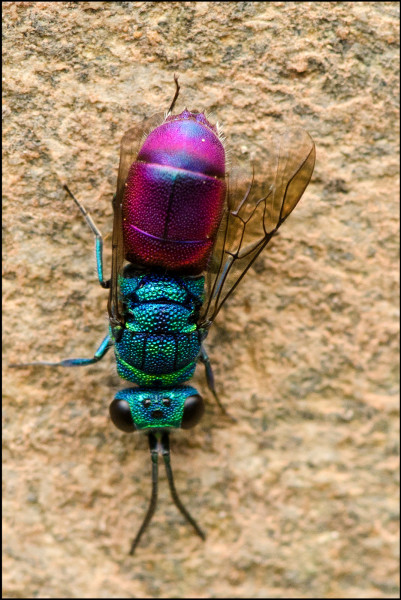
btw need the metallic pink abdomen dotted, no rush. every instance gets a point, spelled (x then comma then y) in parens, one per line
(174, 196)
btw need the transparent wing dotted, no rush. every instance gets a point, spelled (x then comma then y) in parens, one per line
(254, 212)
(129, 148)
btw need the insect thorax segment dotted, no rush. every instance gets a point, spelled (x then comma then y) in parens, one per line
(160, 342)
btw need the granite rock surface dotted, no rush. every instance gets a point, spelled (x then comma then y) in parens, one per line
(299, 496)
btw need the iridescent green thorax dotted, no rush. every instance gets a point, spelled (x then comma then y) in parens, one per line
(160, 342)
(152, 408)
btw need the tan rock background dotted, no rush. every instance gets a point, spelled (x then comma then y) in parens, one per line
(299, 497)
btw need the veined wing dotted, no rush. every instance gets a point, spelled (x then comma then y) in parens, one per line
(129, 148)
(254, 213)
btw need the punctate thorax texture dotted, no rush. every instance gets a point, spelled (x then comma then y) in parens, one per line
(174, 195)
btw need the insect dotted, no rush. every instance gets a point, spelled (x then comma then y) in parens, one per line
(184, 235)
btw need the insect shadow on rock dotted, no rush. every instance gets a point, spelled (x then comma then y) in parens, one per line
(185, 233)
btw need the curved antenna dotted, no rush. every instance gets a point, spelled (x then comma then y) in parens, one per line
(153, 444)
(177, 91)
(160, 443)
(165, 451)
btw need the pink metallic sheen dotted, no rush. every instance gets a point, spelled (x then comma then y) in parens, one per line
(174, 196)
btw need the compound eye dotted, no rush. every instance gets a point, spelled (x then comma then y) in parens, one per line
(120, 414)
(193, 410)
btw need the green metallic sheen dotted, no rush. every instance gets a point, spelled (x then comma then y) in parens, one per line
(160, 343)
(130, 373)
(167, 404)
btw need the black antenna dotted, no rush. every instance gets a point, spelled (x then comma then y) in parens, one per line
(153, 444)
(177, 91)
(160, 443)
(165, 451)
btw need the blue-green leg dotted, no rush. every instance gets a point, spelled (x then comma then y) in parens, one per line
(98, 239)
(73, 362)
(106, 343)
(210, 380)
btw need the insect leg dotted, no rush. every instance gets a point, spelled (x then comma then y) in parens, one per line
(177, 91)
(98, 239)
(73, 362)
(203, 357)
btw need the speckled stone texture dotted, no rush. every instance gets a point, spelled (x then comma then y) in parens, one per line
(299, 496)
